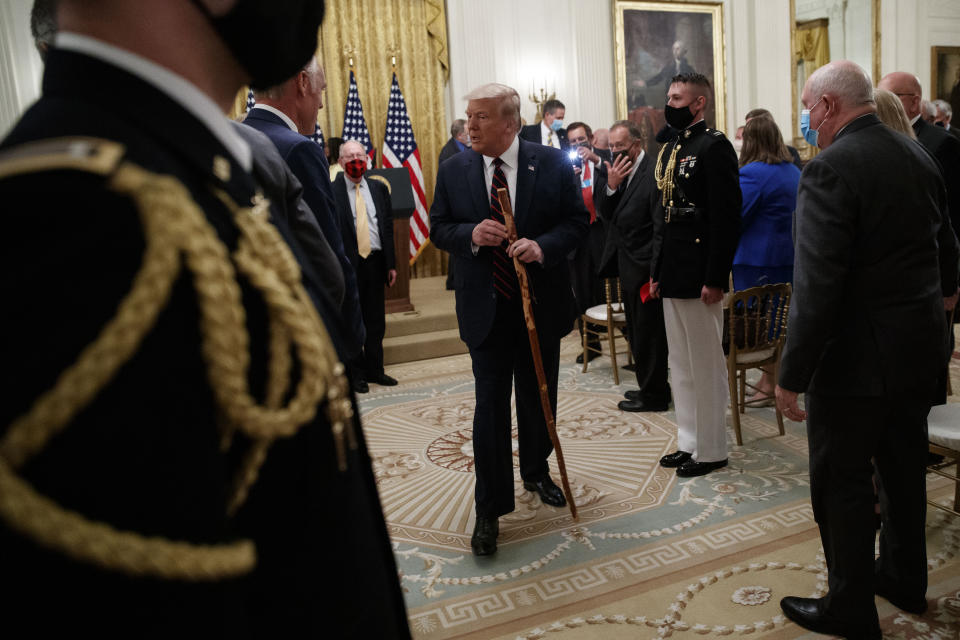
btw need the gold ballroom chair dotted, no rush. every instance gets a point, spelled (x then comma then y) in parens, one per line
(612, 317)
(943, 431)
(757, 326)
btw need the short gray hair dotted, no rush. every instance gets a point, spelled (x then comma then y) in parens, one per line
(844, 79)
(312, 69)
(508, 97)
(630, 126)
(457, 127)
(928, 108)
(944, 106)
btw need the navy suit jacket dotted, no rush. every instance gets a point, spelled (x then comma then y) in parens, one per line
(381, 200)
(769, 199)
(305, 158)
(549, 210)
(533, 133)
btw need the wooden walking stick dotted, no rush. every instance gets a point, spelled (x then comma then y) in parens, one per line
(535, 349)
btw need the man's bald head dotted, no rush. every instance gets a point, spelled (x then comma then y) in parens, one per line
(906, 86)
(836, 94)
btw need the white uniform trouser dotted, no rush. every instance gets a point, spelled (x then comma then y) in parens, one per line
(698, 376)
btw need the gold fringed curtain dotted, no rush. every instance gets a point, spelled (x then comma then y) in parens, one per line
(813, 47)
(418, 30)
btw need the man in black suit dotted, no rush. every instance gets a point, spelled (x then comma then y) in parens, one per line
(287, 114)
(459, 140)
(875, 258)
(629, 207)
(696, 172)
(466, 220)
(585, 261)
(550, 131)
(944, 116)
(146, 227)
(368, 240)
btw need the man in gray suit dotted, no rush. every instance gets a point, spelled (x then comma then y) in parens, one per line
(876, 259)
(284, 191)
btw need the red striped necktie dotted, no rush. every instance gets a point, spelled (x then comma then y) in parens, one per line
(587, 192)
(504, 276)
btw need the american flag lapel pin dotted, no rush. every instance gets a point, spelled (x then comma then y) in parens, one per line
(530, 167)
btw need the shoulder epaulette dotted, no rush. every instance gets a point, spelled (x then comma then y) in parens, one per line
(716, 133)
(93, 155)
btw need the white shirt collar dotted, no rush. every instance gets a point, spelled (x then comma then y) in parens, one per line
(913, 120)
(280, 114)
(546, 132)
(178, 88)
(510, 157)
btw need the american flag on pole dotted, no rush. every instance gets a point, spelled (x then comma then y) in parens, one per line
(400, 150)
(318, 136)
(354, 124)
(250, 99)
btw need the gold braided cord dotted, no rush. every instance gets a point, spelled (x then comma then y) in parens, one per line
(176, 232)
(663, 177)
(39, 518)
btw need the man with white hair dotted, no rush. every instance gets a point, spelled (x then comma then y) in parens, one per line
(287, 114)
(944, 116)
(875, 258)
(466, 220)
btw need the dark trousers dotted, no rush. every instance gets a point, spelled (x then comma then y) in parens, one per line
(500, 362)
(844, 434)
(370, 282)
(648, 343)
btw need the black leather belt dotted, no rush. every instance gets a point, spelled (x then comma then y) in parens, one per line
(682, 214)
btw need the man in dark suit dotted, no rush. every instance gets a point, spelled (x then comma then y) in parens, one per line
(697, 175)
(875, 258)
(945, 116)
(287, 114)
(368, 240)
(284, 191)
(585, 261)
(550, 130)
(629, 206)
(459, 140)
(466, 220)
(146, 227)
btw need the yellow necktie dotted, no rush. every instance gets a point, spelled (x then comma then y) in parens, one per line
(363, 229)
(550, 139)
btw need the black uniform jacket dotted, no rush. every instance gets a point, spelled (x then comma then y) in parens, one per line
(145, 453)
(695, 247)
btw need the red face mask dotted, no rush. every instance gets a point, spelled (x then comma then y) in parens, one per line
(356, 168)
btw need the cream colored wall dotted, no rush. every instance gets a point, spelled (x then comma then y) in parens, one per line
(20, 65)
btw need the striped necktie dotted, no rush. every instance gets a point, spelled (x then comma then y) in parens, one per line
(504, 275)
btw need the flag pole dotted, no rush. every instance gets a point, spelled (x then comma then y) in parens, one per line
(504, 198)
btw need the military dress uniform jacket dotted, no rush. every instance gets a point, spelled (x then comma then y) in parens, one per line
(149, 449)
(696, 244)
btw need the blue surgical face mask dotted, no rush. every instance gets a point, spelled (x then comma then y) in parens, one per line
(810, 135)
(556, 125)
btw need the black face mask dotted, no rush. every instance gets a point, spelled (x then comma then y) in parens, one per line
(271, 39)
(624, 153)
(678, 117)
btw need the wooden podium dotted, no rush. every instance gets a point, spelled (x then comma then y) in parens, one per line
(397, 297)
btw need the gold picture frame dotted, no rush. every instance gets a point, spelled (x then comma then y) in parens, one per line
(645, 35)
(945, 76)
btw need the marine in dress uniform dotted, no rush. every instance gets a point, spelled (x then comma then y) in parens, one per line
(178, 448)
(697, 175)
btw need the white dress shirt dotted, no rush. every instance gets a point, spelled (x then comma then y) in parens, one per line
(371, 210)
(546, 133)
(178, 88)
(509, 167)
(280, 114)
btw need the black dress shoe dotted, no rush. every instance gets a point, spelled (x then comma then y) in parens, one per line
(633, 394)
(675, 459)
(642, 405)
(359, 385)
(911, 605)
(549, 492)
(591, 355)
(629, 367)
(383, 379)
(809, 614)
(484, 539)
(692, 468)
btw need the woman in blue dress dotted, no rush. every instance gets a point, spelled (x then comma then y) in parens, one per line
(768, 180)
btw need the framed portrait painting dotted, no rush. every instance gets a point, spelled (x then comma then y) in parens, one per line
(945, 77)
(654, 42)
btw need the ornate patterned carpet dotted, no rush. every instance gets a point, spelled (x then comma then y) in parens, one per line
(652, 555)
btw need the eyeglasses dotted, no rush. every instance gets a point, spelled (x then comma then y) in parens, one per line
(900, 95)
